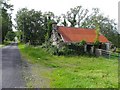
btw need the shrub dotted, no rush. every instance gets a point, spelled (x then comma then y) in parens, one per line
(118, 50)
(53, 50)
(83, 42)
(72, 49)
(66, 49)
(96, 43)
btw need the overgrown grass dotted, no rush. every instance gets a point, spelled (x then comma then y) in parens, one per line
(5, 43)
(1, 45)
(72, 71)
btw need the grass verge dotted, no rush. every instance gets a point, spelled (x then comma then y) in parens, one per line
(1, 45)
(5, 43)
(69, 72)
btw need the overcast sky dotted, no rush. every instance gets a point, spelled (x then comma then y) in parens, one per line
(108, 7)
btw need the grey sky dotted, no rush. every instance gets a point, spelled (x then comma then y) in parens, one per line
(108, 7)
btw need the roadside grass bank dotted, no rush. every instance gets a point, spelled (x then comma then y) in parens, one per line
(69, 71)
(5, 43)
(1, 45)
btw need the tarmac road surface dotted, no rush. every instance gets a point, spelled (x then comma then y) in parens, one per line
(11, 67)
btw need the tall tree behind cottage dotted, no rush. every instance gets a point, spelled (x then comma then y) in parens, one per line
(48, 19)
(107, 26)
(36, 26)
(75, 16)
(79, 17)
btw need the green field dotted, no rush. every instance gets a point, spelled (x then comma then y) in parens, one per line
(69, 72)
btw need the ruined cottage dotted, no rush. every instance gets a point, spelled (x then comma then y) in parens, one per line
(66, 35)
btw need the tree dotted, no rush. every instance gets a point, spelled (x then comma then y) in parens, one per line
(36, 26)
(6, 18)
(76, 15)
(48, 20)
(106, 26)
(91, 20)
(22, 24)
(31, 23)
(10, 36)
(19, 35)
(64, 23)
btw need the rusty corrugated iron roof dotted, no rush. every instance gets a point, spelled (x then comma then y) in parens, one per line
(71, 34)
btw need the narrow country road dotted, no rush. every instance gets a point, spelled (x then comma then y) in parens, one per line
(11, 67)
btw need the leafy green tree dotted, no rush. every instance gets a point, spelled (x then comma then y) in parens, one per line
(91, 20)
(49, 18)
(106, 26)
(36, 27)
(32, 26)
(6, 18)
(10, 36)
(19, 35)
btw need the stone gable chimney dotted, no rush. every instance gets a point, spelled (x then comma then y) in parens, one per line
(54, 34)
